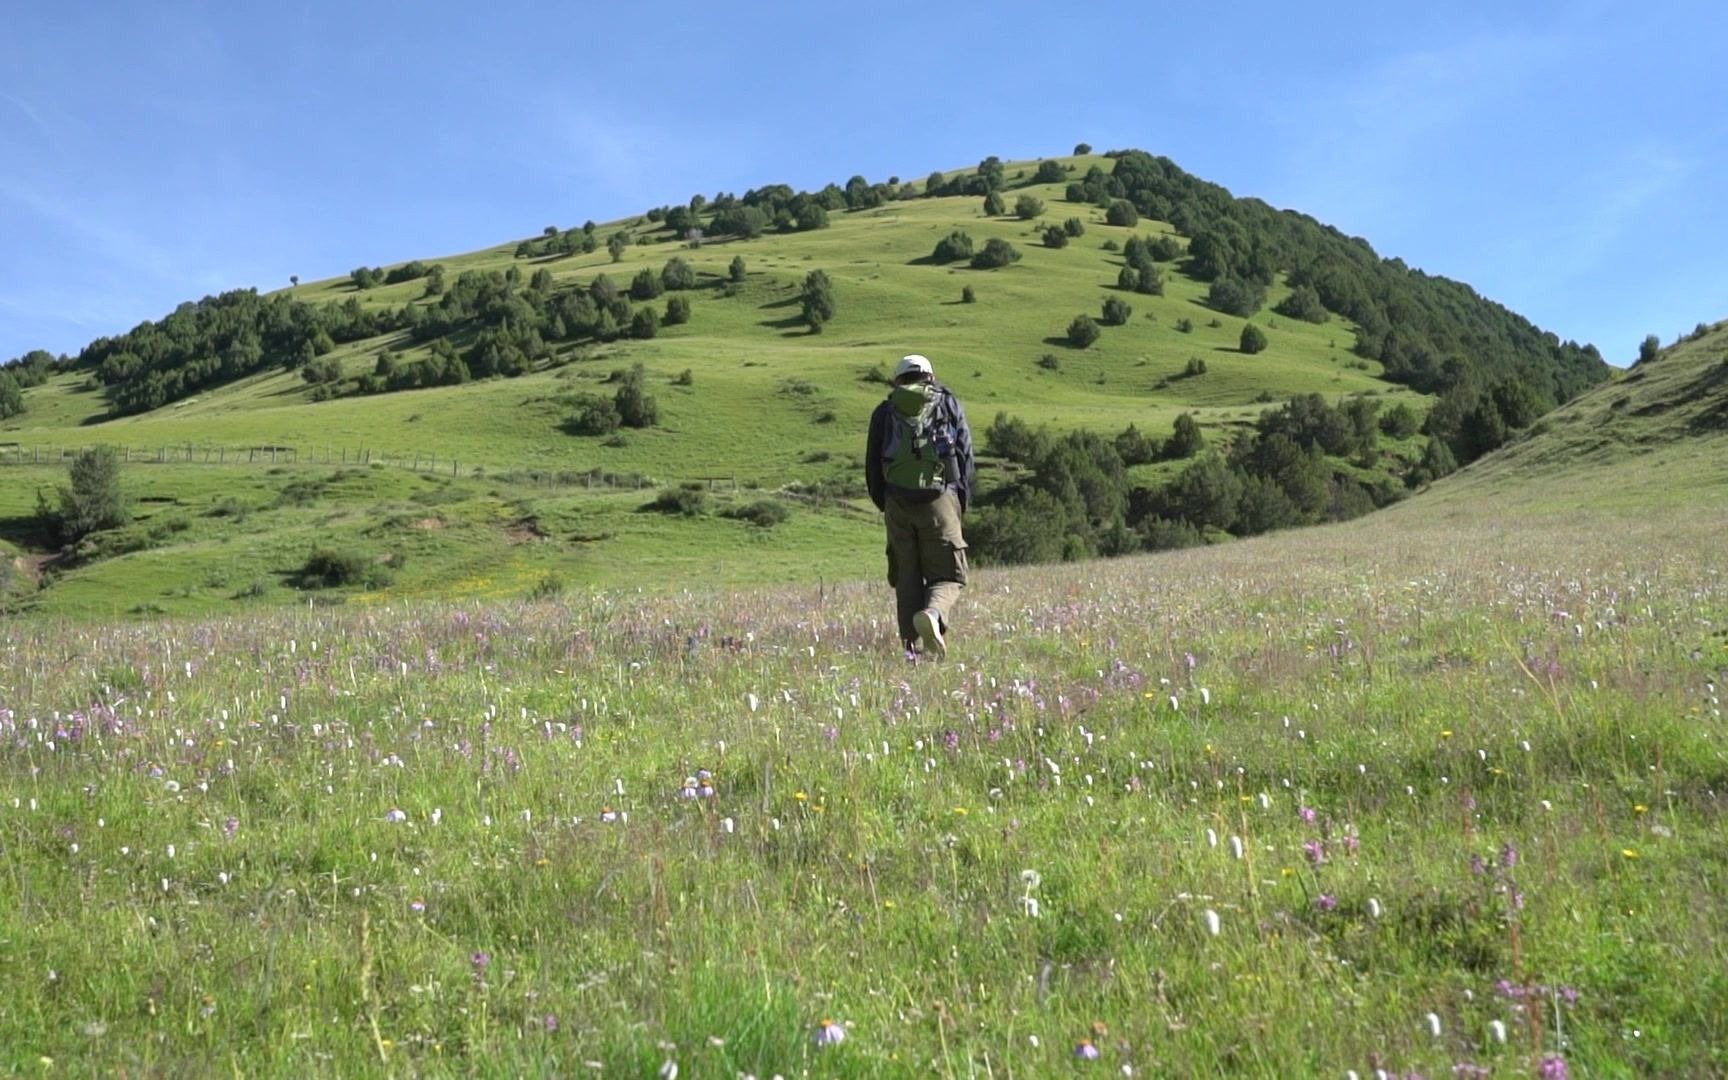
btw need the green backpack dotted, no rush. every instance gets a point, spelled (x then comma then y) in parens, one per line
(918, 455)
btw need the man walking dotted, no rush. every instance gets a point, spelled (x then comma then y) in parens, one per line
(918, 467)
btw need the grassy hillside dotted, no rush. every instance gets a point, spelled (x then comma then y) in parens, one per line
(746, 397)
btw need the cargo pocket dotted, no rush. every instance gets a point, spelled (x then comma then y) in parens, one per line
(954, 556)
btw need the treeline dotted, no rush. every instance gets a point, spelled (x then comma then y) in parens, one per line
(219, 339)
(17, 376)
(1301, 464)
(1435, 335)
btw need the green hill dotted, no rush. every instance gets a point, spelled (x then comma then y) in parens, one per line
(258, 427)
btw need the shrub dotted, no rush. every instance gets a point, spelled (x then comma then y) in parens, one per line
(1253, 340)
(549, 587)
(685, 378)
(1185, 325)
(1083, 331)
(1027, 207)
(1157, 534)
(956, 245)
(1195, 366)
(327, 568)
(645, 323)
(764, 513)
(1049, 362)
(1399, 422)
(967, 296)
(997, 252)
(681, 501)
(1135, 447)
(817, 300)
(676, 274)
(1233, 296)
(677, 311)
(1049, 171)
(1122, 212)
(1148, 281)
(593, 415)
(1302, 303)
(1074, 227)
(634, 405)
(993, 205)
(1649, 349)
(645, 285)
(1186, 440)
(1116, 311)
(735, 270)
(1082, 148)
(1127, 278)
(1054, 237)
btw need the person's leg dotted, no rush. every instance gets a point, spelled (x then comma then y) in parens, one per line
(942, 556)
(904, 566)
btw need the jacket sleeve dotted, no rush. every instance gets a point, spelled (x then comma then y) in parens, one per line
(873, 478)
(963, 451)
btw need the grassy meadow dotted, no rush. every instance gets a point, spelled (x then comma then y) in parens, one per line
(1432, 792)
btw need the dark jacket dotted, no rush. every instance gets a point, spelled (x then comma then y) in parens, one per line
(955, 417)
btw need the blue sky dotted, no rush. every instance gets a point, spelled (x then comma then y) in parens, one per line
(1566, 159)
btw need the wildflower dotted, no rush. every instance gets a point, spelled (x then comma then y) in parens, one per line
(1085, 1051)
(479, 961)
(230, 827)
(608, 815)
(688, 791)
(1628, 853)
(549, 1023)
(1551, 1067)
(828, 1033)
(1306, 813)
(395, 817)
(417, 906)
(1508, 855)
(1325, 901)
(1314, 851)
(1031, 878)
(1211, 918)
(1351, 843)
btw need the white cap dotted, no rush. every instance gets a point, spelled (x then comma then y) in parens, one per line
(909, 364)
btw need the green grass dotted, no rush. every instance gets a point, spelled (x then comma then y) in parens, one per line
(201, 870)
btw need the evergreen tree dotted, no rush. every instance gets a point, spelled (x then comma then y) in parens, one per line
(997, 252)
(1027, 207)
(993, 205)
(1083, 331)
(93, 499)
(1122, 212)
(735, 271)
(1253, 340)
(1116, 311)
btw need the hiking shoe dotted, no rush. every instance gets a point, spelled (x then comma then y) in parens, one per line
(929, 625)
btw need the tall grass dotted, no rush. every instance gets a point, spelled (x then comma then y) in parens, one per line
(1366, 798)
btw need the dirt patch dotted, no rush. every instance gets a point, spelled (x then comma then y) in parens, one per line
(432, 524)
(526, 531)
(34, 566)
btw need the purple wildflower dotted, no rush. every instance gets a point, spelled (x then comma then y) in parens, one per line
(1551, 1067)
(1325, 901)
(1351, 843)
(1306, 813)
(1508, 855)
(230, 827)
(1085, 1051)
(1477, 866)
(1315, 852)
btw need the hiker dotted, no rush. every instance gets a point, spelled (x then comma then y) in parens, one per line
(918, 467)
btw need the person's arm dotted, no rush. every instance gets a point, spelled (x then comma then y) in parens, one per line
(963, 452)
(873, 478)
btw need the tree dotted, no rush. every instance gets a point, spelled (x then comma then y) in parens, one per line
(677, 310)
(993, 205)
(1399, 422)
(93, 499)
(1122, 212)
(645, 285)
(636, 408)
(11, 396)
(1050, 171)
(645, 323)
(593, 415)
(1083, 331)
(997, 252)
(1054, 237)
(1074, 227)
(1135, 447)
(1649, 349)
(1234, 296)
(735, 271)
(1127, 278)
(956, 245)
(1027, 207)
(1147, 280)
(1116, 311)
(294, 280)
(1303, 303)
(817, 300)
(615, 247)
(677, 274)
(967, 296)
(1082, 148)
(1253, 340)
(1186, 440)
(992, 171)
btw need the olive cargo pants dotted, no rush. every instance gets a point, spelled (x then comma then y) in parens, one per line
(926, 558)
